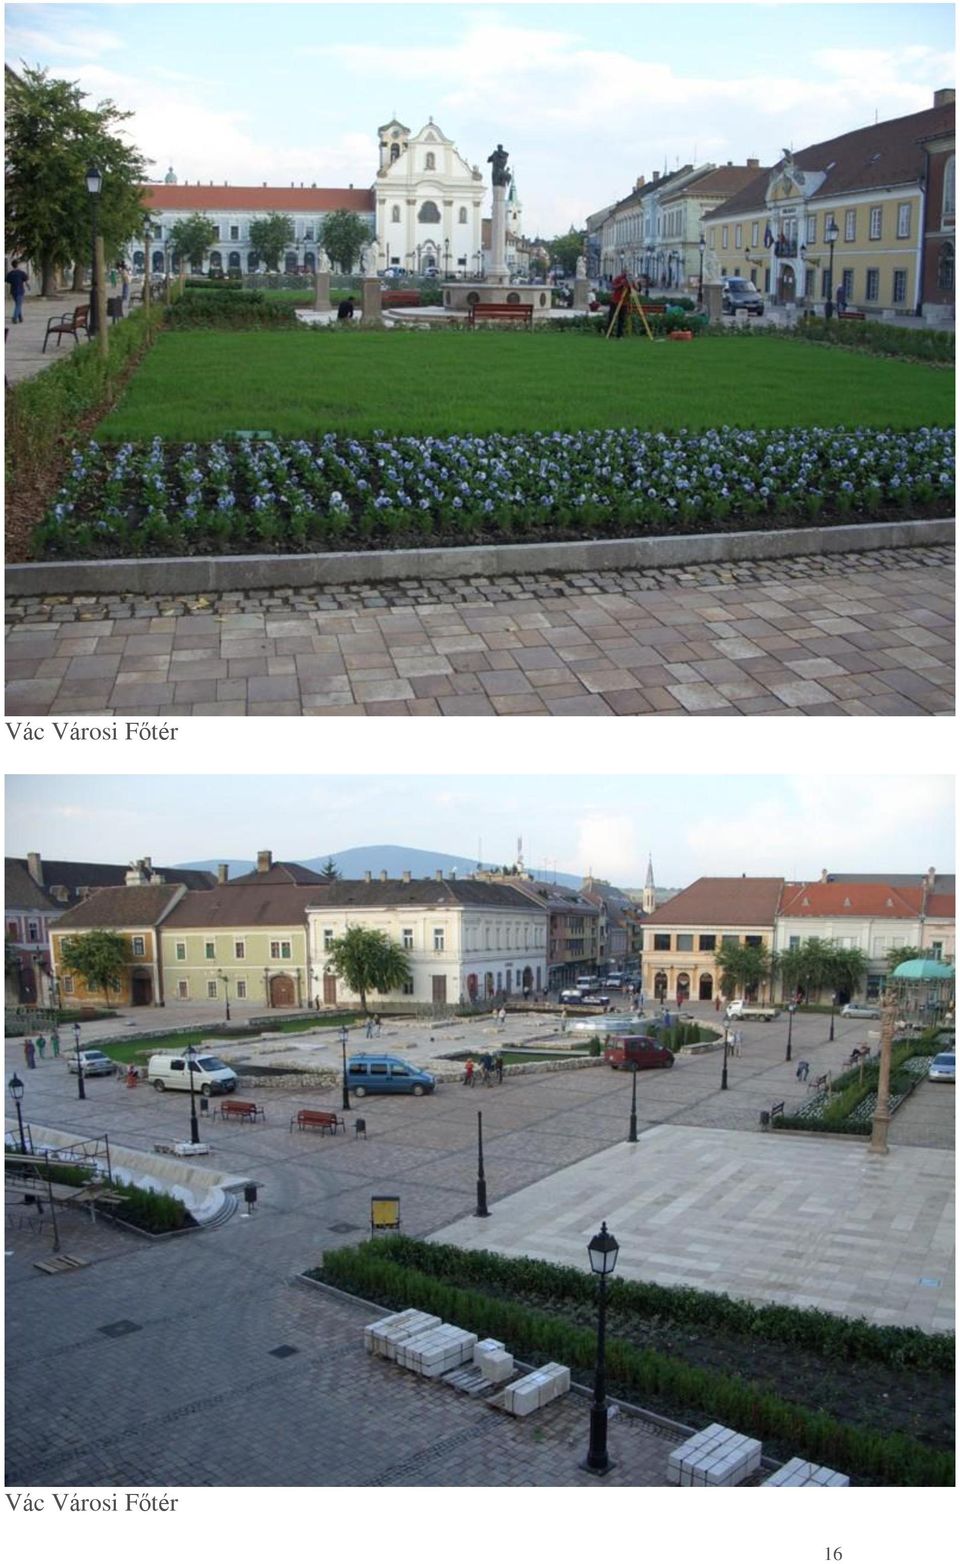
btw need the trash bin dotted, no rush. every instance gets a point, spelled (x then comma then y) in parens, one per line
(764, 1119)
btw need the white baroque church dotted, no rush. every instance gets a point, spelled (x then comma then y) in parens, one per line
(429, 203)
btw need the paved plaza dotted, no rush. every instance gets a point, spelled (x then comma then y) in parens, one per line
(859, 634)
(189, 1391)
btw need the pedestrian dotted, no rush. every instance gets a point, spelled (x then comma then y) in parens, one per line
(30, 1053)
(18, 283)
(124, 282)
(502, 1016)
(619, 303)
(563, 1023)
(376, 1026)
(55, 1043)
(369, 1027)
(499, 1065)
(841, 299)
(113, 276)
(803, 1069)
(716, 1003)
(345, 309)
(41, 1045)
(468, 1076)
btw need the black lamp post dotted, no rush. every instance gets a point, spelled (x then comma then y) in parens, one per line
(726, 1041)
(632, 1136)
(94, 186)
(701, 247)
(790, 1010)
(343, 1048)
(831, 233)
(833, 1012)
(16, 1092)
(194, 1127)
(81, 1091)
(446, 260)
(602, 1251)
(481, 1179)
(226, 993)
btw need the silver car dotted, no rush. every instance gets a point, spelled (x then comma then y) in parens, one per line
(943, 1068)
(92, 1062)
(870, 1012)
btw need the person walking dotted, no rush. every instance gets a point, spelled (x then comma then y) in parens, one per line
(502, 1017)
(18, 283)
(376, 1026)
(30, 1054)
(55, 1043)
(41, 1045)
(563, 1023)
(499, 1068)
(468, 1073)
(369, 1027)
(803, 1069)
(841, 299)
(124, 284)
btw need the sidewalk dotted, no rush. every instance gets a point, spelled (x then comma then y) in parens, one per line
(24, 357)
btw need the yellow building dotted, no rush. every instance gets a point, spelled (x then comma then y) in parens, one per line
(135, 912)
(863, 190)
(681, 939)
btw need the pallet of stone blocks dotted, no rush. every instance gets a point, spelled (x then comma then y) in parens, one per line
(534, 1390)
(383, 1337)
(420, 1342)
(717, 1457)
(804, 1474)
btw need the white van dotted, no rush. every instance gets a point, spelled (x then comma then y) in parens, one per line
(171, 1072)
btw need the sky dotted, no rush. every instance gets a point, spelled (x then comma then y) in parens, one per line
(716, 825)
(584, 97)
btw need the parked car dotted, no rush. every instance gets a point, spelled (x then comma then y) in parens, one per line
(744, 1010)
(430, 271)
(92, 1062)
(739, 293)
(943, 1068)
(384, 1073)
(171, 1072)
(644, 1052)
(579, 996)
(870, 1012)
(394, 271)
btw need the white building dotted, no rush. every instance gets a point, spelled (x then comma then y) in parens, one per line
(429, 202)
(463, 939)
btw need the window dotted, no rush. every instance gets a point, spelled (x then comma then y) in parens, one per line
(794, 943)
(328, 939)
(729, 940)
(181, 950)
(661, 942)
(723, 236)
(738, 237)
(431, 161)
(241, 988)
(210, 950)
(846, 277)
(945, 269)
(234, 231)
(903, 220)
(937, 950)
(876, 222)
(33, 930)
(395, 214)
(811, 230)
(239, 950)
(68, 985)
(850, 225)
(212, 988)
(139, 948)
(754, 941)
(463, 215)
(407, 939)
(949, 194)
(280, 950)
(707, 942)
(407, 987)
(899, 287)
(183, 989)
(394, 151)
(438, 943)
(684, 941)
(429, 213)
(754, 234)
(873, 284)
(809, 282)
(13, 928)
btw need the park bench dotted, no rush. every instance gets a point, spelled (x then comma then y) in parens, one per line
(851, 315)
(399, 298)
(856, 1056)
(319, 1119)
(820, 1083)
(69, 324)
(248, 1111)
(508, 312)
(653, 309)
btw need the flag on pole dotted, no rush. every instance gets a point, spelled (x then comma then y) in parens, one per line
(768, 236)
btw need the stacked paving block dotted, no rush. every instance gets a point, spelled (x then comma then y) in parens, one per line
(804, 1474)
(535, 1390)
(437, 1350)
(494, 1363)
(383, 1337)
(717, 1457)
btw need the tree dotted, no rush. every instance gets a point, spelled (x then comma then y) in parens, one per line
(270, 236)
(192, 237)
(51, 140)
(368, 959)
(742, 966)
(901, 953)
(344, 236)
(817, 964)
(566, 250)
(99, 957)
(330, 871)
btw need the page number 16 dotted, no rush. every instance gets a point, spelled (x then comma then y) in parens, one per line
(834, 1555)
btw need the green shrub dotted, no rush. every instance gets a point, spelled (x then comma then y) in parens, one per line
(874, 336)
(220, 308)
(150, 1209)
(220, 284)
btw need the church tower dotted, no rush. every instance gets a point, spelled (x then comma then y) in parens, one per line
(170, 177)
(649, 902)
(514, 210)
(394, 139)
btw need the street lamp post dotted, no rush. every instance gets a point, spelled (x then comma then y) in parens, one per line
(94, 186)
(831, 233)
(81, 1091)
(226, 993)
(16, 1092)
(481, 1177)
(602, 1251)
(194, 1127)
(632, 1136)
(726, 1041)
(343, 1049)
(790, 1010)
(701, 247)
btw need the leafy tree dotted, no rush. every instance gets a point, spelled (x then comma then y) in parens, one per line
(330, 871)
(566, 250)
(817, 964)
(99, 957)
(742, 966)
(11, 960)
(51, 140)
(192, 237)
(270, 236)
(368, 959)
(901, 953)
(344, 236)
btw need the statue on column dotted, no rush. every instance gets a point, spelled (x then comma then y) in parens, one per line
(581, 266)
(501, 174)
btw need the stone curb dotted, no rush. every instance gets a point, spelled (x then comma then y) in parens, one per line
(252, 572)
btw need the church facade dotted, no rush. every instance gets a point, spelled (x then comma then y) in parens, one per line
(429, 203)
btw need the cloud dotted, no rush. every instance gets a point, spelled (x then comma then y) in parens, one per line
(606, 847)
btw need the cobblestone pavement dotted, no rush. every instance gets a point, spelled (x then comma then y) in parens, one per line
(24, 357)
(193, 1395)
(864, 634)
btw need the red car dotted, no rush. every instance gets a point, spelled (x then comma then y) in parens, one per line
(635, 1050)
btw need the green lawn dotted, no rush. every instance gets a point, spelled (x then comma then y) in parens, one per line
(201, 385)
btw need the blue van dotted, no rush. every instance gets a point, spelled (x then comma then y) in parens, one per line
(384, 1073)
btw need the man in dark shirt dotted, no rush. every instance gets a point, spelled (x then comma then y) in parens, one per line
(17, 282)
(345, 309)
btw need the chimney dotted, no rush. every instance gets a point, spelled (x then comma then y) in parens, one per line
(453, 874)
(223, 873)
(406, 876)
(438, 874)
(264, 862)
(930, 878)
(944, 96)
(147, 863)
(60, 893)
(656, 175)
(639, 182)
(35, 868)
(824, 876)
(137, 873)
(367, 876)
(753, 162)
(384, 876)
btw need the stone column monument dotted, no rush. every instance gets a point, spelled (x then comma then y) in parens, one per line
(581, 285)
(498, 273)
(321, 291)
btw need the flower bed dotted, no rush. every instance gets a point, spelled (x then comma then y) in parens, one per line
(296, 495)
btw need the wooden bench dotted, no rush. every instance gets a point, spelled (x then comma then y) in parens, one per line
(851, 315)
(515, 312)
(856, 1056)
(248, 1111)
(68, 325)
(317, 1118)
(820, 1083)
(653, 309)
(399, 298)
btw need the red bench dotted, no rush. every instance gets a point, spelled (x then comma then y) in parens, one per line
(653, 309)
(515, 312)
(231, 1108)
(68, 325)
(851, 315)
(399, 298)
(318, 1119)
